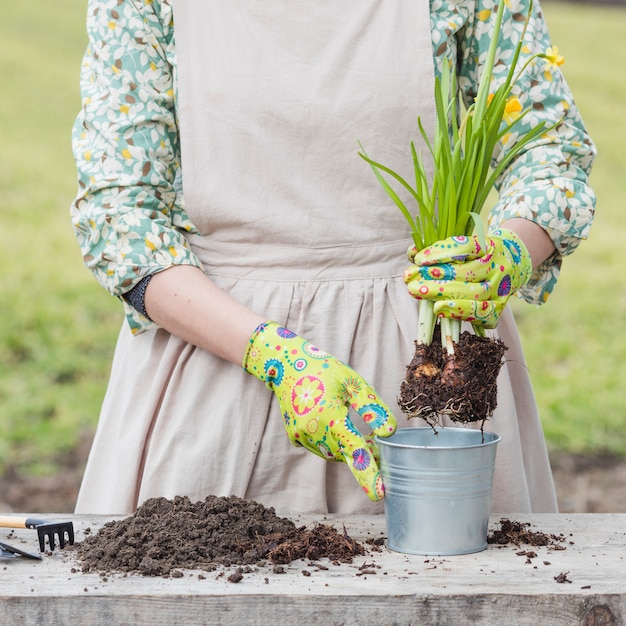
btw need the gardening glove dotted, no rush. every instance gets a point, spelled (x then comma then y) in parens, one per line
(467, 281)
(315, 391)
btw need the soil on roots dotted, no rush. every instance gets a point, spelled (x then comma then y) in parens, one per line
(164, 536)
(462, 386)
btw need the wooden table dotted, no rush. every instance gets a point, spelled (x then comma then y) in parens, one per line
(495, 586)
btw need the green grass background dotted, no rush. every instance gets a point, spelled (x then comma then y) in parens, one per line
(58, 327)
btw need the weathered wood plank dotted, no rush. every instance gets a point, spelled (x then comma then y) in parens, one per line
(210, 610)
(496, 586)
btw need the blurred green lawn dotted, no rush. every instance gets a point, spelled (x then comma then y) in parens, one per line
(574, 344)
(59, 327)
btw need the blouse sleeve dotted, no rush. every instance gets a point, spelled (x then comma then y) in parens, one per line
(547, 182)
(128, 215)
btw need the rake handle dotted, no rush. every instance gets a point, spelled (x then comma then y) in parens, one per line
(11, 521)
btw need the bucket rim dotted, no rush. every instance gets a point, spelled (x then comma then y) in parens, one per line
(494, 439)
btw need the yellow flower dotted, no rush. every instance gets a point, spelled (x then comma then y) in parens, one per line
(512, 109)
(553, 57)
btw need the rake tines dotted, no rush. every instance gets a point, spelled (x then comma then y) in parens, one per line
(63, 531)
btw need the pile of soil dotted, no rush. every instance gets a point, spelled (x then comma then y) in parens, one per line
(165, 536)
(519, 533)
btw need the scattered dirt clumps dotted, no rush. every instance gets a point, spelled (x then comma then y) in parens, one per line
(164, 536)
(518, 533)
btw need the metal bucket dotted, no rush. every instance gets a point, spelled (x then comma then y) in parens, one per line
(437, 489)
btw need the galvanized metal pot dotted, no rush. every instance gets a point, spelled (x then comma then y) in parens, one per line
(437, 489)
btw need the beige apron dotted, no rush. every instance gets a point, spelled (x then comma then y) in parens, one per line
(273, 98)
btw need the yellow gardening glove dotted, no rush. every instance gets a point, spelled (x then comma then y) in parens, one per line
(315, 391)
(466, 281)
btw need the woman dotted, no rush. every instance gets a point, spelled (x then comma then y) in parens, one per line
(222, 199)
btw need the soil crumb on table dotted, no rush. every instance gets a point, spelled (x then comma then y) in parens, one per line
(518, 533)
(164, 536)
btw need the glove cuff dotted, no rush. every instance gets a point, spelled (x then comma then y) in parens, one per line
(259, 330)
(519, 254)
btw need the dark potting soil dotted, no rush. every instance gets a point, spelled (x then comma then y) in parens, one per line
(165, 536)
(519, 534)
(462, 387)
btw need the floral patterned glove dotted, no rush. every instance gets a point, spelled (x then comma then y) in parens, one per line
(314, 391)
(466, 281)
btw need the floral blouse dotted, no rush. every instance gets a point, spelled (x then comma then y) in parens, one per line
(129, 214)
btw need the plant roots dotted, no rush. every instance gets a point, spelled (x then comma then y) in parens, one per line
(462, 386)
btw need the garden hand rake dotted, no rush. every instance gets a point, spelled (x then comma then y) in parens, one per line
(44, 529)
(9, 552)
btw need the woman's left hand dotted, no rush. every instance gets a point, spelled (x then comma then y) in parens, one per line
(468, 281)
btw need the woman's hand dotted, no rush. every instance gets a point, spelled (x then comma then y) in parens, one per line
(315, 391)
(468, 281)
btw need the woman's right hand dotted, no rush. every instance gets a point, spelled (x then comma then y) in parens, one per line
(315, 391)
